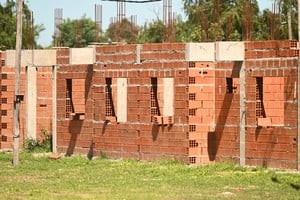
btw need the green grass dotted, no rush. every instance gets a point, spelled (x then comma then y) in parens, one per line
(79, 178)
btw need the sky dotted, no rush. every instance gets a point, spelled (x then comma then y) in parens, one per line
(43, 12)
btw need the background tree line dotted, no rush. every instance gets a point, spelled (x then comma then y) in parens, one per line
(205, 20)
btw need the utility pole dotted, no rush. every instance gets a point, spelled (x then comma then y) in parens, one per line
(17, 96)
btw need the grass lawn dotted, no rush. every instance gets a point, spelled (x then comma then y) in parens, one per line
(79, 178)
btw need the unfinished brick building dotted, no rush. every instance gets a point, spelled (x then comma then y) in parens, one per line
(195, 102)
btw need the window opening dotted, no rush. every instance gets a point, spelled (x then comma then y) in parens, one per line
(229, 86)
(69, 103)
(154, 99)
(259, 107)
(109, 104)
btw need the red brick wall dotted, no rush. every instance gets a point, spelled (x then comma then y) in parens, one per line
(7, 99)
(273, 146)
(201, 112)
(44, 100)
(138, 137)
(74, 135)
(44, 104)
(206, 124)
(227, 102)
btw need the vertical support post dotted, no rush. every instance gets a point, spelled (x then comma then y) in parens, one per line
(17, 100)
(298, 89)
(168, 97)
(31, 101)
(122, 99)
(54, 116)
(138, 53)
(242, 115)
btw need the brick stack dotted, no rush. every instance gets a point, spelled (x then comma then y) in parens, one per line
(201, 111)
(62, 56)
(44, 99)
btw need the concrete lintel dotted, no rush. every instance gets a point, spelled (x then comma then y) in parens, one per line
(230, 51)
(79, 56)
(200, 52)
(32, 57)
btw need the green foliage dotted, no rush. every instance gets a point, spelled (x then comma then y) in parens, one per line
(125, 31)
(31, 144)
(76, 33)
(45, 145)
(230, 20)
(153, 32)
(8, 26)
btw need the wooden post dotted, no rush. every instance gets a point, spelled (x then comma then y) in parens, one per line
(17, 97)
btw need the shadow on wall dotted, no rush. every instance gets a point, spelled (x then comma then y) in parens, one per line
(269, 147)
(214, 138)
(75, 127)
(211, 145)
(155, 130)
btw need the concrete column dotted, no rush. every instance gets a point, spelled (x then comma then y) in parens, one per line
(138, 53)
(31, 101)
(242, 114)
(54, 116)
(122, 99)
(168, 96)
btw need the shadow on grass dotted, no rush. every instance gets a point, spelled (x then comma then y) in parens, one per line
(293, 185)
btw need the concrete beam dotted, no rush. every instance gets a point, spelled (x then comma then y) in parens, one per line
(79, 56)
(243, 115)
(200, 52)
(122, 99)
(54, 115)
(168, 96)
(31, 101)
(32, 58)
(230, 51)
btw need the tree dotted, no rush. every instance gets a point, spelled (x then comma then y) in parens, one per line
(8, 24)
(186, 31)
(199, 16)
(153, 32)
(222, 20)
(76, 33)
(288, 17)
(125, 31)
